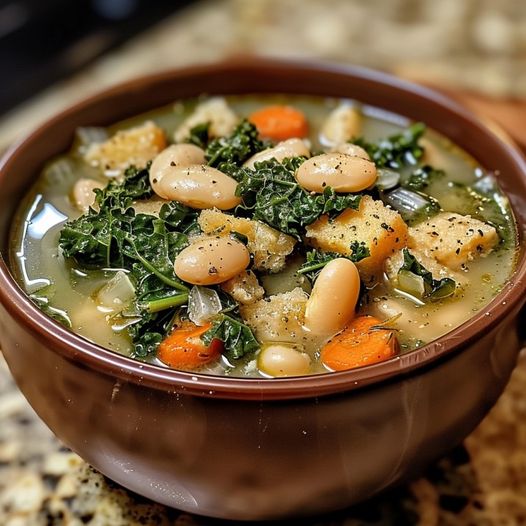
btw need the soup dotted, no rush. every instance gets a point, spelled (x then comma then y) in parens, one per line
(263, 236)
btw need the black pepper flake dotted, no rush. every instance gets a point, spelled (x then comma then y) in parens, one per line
(172, 163)
(212, 270)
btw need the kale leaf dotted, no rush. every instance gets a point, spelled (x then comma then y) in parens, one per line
(433, 288)
(315, 260)
(422, 177)
(237, 337)
(149, 331)
(359, 251)
(121, 194)
(396, 151)
(114, 236)
(271, 194)
(199, 135)
(228, 153)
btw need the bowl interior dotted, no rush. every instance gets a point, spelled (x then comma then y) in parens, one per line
(23, 162)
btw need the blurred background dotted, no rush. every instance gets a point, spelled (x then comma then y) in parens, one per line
(54, 52)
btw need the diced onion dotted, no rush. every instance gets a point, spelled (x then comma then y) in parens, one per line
(411, 283)
(117, 293)
(203, 304)
(91, 135)
(486, 184)
(387, 179)
(407, 202)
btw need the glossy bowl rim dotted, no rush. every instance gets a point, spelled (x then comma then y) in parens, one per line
(74, 347)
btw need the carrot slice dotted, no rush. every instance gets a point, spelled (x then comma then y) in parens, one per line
(184, 349)
(363, 342)
(280, 122)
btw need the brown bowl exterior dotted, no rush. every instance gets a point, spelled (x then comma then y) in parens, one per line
(260, 449)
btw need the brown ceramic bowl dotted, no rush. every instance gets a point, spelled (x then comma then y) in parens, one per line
(249, 448)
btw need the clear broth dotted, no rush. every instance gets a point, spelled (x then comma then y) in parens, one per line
(37, 261)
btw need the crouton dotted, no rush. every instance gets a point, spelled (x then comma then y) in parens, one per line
(244, 288)
(381, 229)
(453, 239)
(135, 146)
(214, 111)
(342, 124)
(278, 318)
(269, 247)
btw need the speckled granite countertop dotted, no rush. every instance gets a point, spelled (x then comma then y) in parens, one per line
(469, 44)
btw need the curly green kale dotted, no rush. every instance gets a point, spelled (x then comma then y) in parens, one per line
(434, 289)
(228, 153)
(315, 260)
(271, 194)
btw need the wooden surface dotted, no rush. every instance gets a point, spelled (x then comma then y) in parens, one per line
(508, 115)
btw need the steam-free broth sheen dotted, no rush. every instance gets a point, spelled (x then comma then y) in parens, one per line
(360, 235)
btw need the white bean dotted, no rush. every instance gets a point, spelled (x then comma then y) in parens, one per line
(83, 195)
(342, 124)
(199, 186)
(341, 172)
(283, 360)
(211, 261)
(351, 149)
(282, 150)
(333, 299)
(175, 156)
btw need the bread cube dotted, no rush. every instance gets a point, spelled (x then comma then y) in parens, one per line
(453, 239)
(244, 288)
(214, 111)
(343, 124)
(381, 229)
(278, 318)
(269, 246)
(134, 146)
